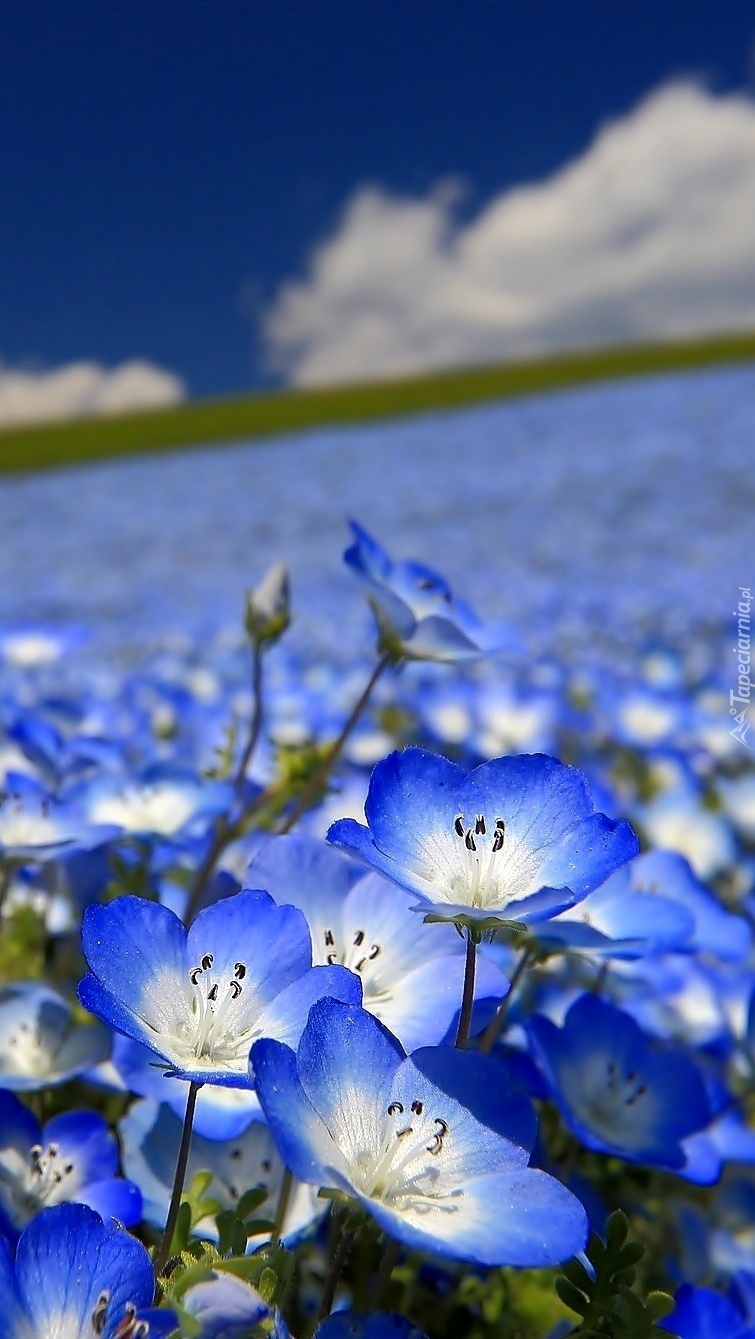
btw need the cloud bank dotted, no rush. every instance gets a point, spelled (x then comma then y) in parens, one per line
(649, 234)
(80, 390)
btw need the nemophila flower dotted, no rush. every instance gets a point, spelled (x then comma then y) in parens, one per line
(151, 1134)
(73, 1157)
(199, 998)
(435, 1146)
(75, 1277)
(701, 1313)
(34, 826)
(617, 921)
(412, 976)
(515, 840)
(418, 618)
(716, 930)
(224, 1307)
(164, 801)
(39, 1042)
(616, 1088)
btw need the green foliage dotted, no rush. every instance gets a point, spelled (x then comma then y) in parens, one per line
(22, 946)
(608, 1304)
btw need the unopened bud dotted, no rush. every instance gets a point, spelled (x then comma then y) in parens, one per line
(268, 606)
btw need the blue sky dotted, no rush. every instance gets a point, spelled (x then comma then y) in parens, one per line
(167, 166)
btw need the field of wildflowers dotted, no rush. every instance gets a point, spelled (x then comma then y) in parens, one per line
(387, 976)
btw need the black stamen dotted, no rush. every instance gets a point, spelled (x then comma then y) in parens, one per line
(358, 938)
(437, 1144)
(235, 989)
(469, 841)
(374, 951)
(99, 1315)
(213, 993)
(195, 974)
(395, 1108)
(207, 960)
(479, 825)
(459, 825)
(417, 1108)
(329, 940)
(239, 970)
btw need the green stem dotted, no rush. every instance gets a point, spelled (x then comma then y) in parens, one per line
(320, 774)
(335, 1271)
(163, 1250)
(495, 1027)
(383, 1276)
(225, 832)
(256, 723)
(6, 879)
(467, 998)
(284, 1197)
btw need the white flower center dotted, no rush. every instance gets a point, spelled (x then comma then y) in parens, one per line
(212, 1030)
(405, 1171)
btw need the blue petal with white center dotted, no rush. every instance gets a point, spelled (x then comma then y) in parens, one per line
(514, 840)
(76, 1276)
(616, 1088)
(434, 1145)
(74, 1157)
(199, 1000)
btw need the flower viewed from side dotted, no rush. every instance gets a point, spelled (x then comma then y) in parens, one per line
(515, 840)
(39, 1040)
(75, 1277)
(618, 1090)
(199, 998)
(73, 1157)
(417, 616)
(435, 1146)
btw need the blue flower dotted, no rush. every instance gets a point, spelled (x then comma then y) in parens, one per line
(515, 840)
(224, 1307)
(199, 998)
(617, 1089)
(435, 1146)
(417, 616)
(39, 1042)
(701, 1313)
(34, 826)
(151, 1135)
(74, 1157)
(411, 979)
(618, 920)
(76, 1276)
(377, 1325)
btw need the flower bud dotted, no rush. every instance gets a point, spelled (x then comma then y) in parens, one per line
(268, 606)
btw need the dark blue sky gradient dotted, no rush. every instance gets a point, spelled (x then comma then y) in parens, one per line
(167, 162)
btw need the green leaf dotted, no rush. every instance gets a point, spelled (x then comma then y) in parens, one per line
(572, 1297)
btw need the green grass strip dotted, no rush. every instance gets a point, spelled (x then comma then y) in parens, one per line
(203, 422)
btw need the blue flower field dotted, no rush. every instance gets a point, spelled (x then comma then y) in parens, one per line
(377, 880)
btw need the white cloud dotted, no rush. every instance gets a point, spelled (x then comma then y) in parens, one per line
(80, 390)
(651, 233)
